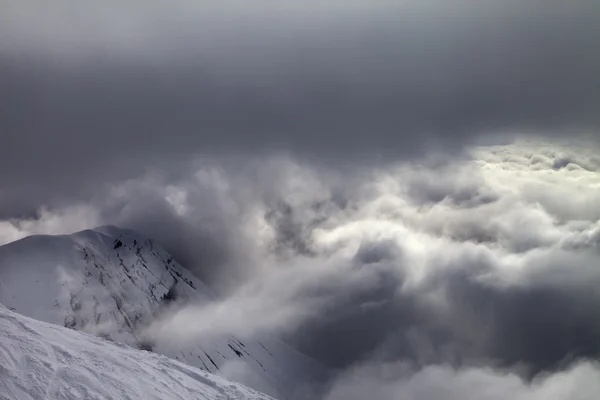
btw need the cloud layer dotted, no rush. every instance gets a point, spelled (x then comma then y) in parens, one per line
(487, 261)
(102, 92)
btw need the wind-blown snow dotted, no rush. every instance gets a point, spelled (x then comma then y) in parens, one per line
(44, 361)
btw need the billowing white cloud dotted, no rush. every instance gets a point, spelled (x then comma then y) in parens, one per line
(461, 270)
(395, 381)
(469, 250)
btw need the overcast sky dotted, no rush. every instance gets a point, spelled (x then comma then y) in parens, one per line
(422, 177)
(115, 87)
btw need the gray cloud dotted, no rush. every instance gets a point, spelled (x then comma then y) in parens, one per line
(503, 286)
(541, 326)
(488, 260)
(101, 93)
(484, 265)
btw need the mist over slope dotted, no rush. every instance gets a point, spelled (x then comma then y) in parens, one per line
(120, 286)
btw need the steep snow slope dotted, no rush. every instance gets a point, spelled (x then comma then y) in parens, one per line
(112, 282)
(44, 361)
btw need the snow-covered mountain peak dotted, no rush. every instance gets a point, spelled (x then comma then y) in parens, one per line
(114, 282)
(105, 279)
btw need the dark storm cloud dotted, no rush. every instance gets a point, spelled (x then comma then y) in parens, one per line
(121, 88)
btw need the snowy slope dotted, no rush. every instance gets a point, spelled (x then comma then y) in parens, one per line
(44, 361)
(112, 282)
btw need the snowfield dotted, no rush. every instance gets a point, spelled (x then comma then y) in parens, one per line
(43, 361)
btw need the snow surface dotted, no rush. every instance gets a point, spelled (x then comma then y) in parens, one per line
(112, 283)
(43, 361)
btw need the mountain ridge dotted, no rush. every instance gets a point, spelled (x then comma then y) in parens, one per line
(113, 282)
